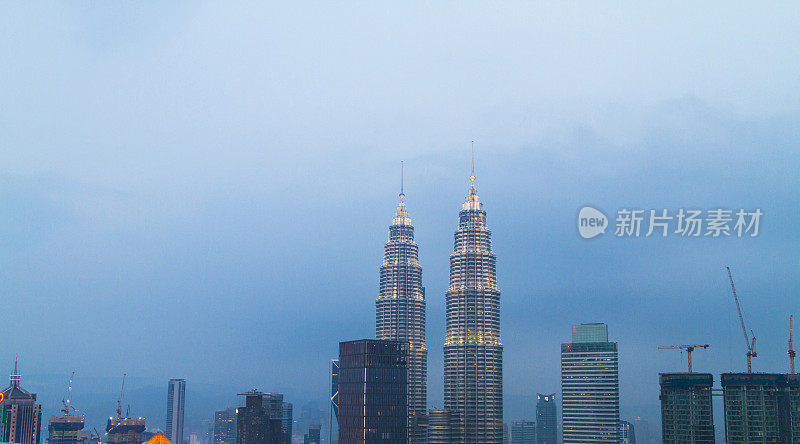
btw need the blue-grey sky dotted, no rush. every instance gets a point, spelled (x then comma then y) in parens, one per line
(202, 190)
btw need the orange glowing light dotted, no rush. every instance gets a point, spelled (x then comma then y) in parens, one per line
(2, 396)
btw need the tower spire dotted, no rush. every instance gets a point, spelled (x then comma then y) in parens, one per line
(472, 175)
(402, 195)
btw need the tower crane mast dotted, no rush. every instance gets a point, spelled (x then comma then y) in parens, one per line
(751, 345)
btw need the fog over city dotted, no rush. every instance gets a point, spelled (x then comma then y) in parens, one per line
(202, 190)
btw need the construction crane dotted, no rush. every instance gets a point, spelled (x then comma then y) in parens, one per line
(121, 393)
(791, 347)
(65, 403)
(689, 349)
(751, 344)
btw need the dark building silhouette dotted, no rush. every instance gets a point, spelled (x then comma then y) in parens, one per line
(473, 351)
(546, 419)
(313, 435)
(687, 415)
(20, 415)
(225, 426)
(176, 396)
(254, 425)
(761, 408)
(400, 313)
(373, 392)
(523, 432)
(441, 426)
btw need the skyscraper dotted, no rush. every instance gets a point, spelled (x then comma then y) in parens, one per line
(687, 415)
(400, 312)
(627, 432)
(473, 352)
(523, 432)
(590, 386)
(441, 425)
(373, 392)
(282, 410)
(761, 407)
(254, 424)
(546, 421)
(333, 405)
(225, 426)
(20, 415)
(176, 395)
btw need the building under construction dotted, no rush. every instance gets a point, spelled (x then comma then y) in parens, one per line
(65, 429)
(125, 430)
(686, 408)
(761, 407)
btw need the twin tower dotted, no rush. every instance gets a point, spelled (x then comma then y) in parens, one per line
(473, 352)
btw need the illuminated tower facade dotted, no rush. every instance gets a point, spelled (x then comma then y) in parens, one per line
(473, 353)
(20, 415)
(400, 313)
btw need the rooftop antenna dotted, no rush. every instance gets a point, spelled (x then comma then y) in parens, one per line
(472, 176)
(791, 347)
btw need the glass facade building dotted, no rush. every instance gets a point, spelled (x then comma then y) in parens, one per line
(761, 408)
(255, 423)
(400, 313)
(373, 392)
(523, 432)
(546, 419)
(176, 395)
(225, 426)
(687, 414)
(473, 352)
(590, 387)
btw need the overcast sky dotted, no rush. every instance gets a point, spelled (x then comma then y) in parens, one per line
(202, 190)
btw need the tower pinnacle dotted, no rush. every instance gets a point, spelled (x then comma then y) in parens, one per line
(472, 176)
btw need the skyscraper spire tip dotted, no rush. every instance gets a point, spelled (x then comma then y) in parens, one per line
(472, 175)
(402, 194)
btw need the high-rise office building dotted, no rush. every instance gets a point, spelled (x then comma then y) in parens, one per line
(373, 392)
(333, 405)
(687, 415)
(176, 395)
(278, 408)
(20, 415)
(642, 430)
(590, 386)
(523, 432)
(255, 423)
(546, 419)
(441, 426)
(225, 426)
(473, 352)
(313, 436)
(761, 408)
(627, 432)
(400, 313)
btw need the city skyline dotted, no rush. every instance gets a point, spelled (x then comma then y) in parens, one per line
(173, 161)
